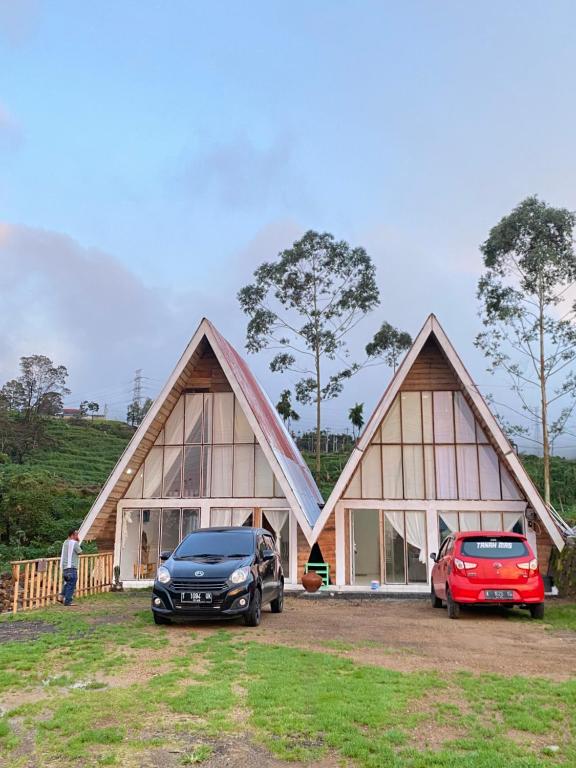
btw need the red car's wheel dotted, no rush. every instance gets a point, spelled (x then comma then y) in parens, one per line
(453, 608)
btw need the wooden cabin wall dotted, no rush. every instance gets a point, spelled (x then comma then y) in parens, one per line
(327, 544)
(430, 371)
(544, 545)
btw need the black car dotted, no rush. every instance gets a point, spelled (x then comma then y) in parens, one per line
(220, 572)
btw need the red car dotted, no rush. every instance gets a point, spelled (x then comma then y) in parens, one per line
(487, 568)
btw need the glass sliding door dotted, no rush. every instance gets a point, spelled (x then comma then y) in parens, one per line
(170, 537)
(365, 546)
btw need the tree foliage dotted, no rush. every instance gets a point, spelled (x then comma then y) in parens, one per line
(530, 264)
(303, 305)
(39, 389)
(356, 416)
(285, 409)
(388, 345)
(136, 411)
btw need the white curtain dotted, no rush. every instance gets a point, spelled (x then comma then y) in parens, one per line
(415, 529)
(276, 518)
(510, 519)
(469, 521)
(220, 516)
(239, 516)
(174, 427)
(450, 519)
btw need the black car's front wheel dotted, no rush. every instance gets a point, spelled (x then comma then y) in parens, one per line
(277, 605)
(254, 613)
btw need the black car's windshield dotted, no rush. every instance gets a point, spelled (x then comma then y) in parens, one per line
(492, 546)
(216, 544)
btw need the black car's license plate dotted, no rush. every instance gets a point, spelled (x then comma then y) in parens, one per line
(196, 597)
(498, 594)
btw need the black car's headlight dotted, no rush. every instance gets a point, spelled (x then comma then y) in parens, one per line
(163, 575)
(240, 575)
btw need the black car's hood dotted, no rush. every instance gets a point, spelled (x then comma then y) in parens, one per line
(208, 568)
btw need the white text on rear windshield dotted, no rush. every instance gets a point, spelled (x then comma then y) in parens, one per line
(494, 548)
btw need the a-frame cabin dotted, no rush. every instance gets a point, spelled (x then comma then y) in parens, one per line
(212, 450)
(432, 459)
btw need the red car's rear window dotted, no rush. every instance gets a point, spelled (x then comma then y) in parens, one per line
(500, 547)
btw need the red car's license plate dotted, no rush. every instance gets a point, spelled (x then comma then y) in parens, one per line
(196, 597)
(498, 594)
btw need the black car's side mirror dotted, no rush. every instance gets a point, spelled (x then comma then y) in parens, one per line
(433, 556)
(268, 554)
(165, 555)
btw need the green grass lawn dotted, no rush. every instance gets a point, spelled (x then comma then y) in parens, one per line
(98, 691)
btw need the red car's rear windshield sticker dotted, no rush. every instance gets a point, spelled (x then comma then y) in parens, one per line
(488, 548)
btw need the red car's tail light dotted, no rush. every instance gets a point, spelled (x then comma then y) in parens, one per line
(532, 566)
(462, 565)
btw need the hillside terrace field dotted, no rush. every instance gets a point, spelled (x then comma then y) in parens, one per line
(327, 683)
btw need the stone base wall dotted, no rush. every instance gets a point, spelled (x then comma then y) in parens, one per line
(564, 569)
(6, 592)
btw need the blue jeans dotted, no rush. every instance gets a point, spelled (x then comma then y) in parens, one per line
(70, 577)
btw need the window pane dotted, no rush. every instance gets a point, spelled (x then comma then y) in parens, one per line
(366, 545)
(243, 470)
(149, 543)
(153, 474)
(192, 458)
(278, 493)
(242, 430)
(411, 417)
(264, 479)
(469, 521)
(220, 516)
(390, 429)
(514, 522)
(241, 516)
(509, 487)
(443, 418)
(170, 530)
(491, 521)
(130, 544)
(416, 546)
(445, 472)
(427, 426)
(413, 472)
(392, 471)
(223, 418)
(206, 470)
(207, 420)
(465, 423)
(190, 521)
(429, 472)
(394, 547)
(174, 427)
(489, 472)
(193, 420)
(467, 458)
(447, 523)
(371, 474)
(172, 472)
(135, 488)
(222, 471)
(480, 434)
(354, 490)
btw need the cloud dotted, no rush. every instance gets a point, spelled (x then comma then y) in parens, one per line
(10, 131)
(86, 310)
(240, 175)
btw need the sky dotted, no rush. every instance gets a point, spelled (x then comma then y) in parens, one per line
(152, 154)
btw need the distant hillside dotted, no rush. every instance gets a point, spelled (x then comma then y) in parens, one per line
(82, 453)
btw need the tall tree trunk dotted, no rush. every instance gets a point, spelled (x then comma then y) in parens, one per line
(544, 407)
(318, 420)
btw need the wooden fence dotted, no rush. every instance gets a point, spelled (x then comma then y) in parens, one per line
(37, 583)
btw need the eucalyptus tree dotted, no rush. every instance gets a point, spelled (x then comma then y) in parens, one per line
(528, 316)
(303, 305)
(285, 409)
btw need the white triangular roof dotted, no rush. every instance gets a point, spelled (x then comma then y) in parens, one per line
(432, 328)
(284, 458)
